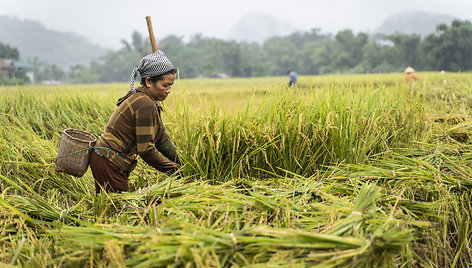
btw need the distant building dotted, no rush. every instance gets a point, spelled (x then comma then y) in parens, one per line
(27, 67)
(51, 82)
(384, 42)
(7, 66)
(219, 75)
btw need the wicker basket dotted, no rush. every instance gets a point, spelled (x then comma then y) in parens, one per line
(73, 156)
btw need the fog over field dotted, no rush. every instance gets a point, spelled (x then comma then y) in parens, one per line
(107, 22)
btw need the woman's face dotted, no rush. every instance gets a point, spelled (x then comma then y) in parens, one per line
(161, 89)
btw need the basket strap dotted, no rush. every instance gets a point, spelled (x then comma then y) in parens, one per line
(89, 148)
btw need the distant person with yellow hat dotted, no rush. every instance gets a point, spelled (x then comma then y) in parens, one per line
(410, 76)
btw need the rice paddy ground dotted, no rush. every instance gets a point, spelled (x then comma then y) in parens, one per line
(342, 171)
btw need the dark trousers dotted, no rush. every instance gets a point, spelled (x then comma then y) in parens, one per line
(107, 175)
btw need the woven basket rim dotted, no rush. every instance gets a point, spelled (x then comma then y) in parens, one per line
(81, 132)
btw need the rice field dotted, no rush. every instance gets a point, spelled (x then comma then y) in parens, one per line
(343, 171)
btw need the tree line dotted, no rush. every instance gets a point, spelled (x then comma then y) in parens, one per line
(309, 53)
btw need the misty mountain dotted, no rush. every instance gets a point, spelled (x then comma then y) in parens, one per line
(33, 39)
(415, 22)
(257, 27)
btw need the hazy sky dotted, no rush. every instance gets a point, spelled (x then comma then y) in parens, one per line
(106, 22)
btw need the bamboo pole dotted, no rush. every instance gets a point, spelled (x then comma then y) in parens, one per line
(151, 34)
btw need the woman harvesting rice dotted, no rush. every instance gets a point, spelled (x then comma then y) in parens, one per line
(136, 128)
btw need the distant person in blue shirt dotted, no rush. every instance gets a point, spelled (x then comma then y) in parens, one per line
(293, 78)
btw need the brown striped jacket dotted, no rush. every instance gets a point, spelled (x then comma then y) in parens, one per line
(136, 128)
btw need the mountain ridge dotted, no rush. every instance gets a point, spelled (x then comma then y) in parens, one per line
(66, 49)
(257, 27)
(413, 22)
(33, 39)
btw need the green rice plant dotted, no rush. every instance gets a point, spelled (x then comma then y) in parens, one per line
(348, 171)
(298, 134)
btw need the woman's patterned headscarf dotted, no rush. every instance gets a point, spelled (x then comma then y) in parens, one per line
(151, 65)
